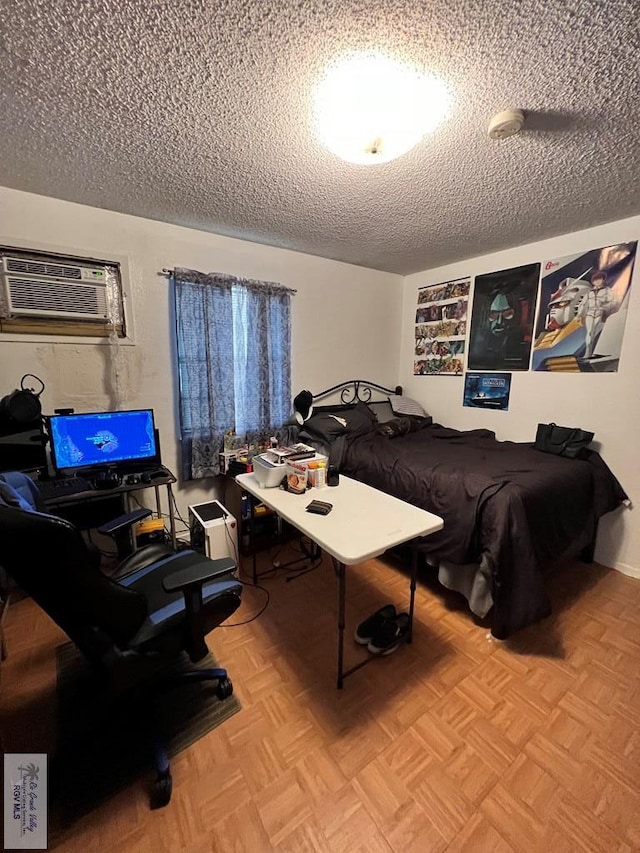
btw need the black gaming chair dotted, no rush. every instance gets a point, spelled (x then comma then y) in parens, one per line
(163, 604)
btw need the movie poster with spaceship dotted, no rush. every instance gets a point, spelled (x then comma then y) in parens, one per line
(502, 319)
(582, 311)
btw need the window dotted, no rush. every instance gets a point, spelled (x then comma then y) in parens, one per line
(234, 363)
(48, 294)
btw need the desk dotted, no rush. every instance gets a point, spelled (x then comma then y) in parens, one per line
(123, 491)
(363, 523)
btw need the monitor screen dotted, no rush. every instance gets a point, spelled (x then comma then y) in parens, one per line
(103, 439)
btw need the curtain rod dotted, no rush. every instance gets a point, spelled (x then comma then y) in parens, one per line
(165, 271)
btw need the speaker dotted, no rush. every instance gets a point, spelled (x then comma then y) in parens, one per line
(333, 476)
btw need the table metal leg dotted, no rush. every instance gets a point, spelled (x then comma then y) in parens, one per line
(342, 672)
(4, 606)
(172, 516)
(340, 573)
(414, 578)
(252, 521)
(339, 567)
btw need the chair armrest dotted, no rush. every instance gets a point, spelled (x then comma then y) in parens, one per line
(196, 575)
(124, 521)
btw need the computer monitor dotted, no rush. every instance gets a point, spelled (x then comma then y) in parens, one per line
(125, 441)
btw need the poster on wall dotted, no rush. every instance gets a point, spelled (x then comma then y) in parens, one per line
(582, 311)
(502, 319)
(441, 328)
(487, 390)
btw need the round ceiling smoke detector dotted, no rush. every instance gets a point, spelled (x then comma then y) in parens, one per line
(506, 123)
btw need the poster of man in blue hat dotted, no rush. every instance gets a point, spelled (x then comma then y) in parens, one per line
(502, 319)
(582, 311)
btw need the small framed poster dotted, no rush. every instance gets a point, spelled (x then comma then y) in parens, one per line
(487, 390)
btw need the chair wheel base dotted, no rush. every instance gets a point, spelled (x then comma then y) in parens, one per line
(224, 688)
(162, 790)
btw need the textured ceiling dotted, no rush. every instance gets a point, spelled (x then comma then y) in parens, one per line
(198, 113)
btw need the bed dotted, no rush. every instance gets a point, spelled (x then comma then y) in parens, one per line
(509, 509)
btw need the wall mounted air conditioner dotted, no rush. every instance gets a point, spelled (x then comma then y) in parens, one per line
(49, 289)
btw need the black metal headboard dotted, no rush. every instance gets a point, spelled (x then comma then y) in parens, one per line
(356, 390)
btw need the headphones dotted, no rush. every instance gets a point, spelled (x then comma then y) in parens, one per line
(23, 405)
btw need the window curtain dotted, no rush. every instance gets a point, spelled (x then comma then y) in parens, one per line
(234, 363)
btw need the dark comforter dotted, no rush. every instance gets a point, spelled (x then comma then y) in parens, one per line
(506, 501)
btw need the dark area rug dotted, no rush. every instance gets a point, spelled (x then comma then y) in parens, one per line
(105, 742)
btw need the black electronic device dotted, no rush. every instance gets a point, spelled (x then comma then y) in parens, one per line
(119, 442)
(22, 438)
(22, 448)
(150, 476)
(333, 476)
(107, 479)
(319, 507)
(236, 467)
(51, 490)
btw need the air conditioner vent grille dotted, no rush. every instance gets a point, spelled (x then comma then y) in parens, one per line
(46, 297)
(42, 268)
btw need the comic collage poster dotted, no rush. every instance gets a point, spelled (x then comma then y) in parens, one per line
(582, 310)
(441, 328)
(487, 390)
(502, 319)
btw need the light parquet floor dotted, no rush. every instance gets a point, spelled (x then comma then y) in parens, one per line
(456, 743)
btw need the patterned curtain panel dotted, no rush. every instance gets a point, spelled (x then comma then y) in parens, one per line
(234, 363)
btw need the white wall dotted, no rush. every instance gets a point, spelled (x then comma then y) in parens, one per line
(608, 403)
(346, 322)
(333, 314)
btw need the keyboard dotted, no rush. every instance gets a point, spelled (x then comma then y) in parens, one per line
(52, 489)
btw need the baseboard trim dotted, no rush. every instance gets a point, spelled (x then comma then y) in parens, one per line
(630, 571)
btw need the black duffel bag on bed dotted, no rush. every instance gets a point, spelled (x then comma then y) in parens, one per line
(571, 442)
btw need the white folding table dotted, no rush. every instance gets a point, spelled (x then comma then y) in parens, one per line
(363, 523)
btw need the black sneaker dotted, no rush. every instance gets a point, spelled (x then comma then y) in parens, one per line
(367, 629)
(389, 635)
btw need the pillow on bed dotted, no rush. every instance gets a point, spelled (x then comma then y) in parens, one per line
(361, 418)
(328, 426)
(406, 406)
(382, 411)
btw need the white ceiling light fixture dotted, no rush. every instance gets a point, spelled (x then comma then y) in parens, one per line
(370, 108)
